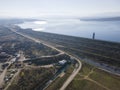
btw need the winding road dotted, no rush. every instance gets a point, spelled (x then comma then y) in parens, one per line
(76, 70)
(3, 75)
(74, 73)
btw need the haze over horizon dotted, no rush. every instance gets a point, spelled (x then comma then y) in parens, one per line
(39, 8)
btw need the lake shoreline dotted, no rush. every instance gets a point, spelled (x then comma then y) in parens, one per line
(108, 31)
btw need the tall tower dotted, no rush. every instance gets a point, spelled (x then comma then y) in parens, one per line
(93, 37)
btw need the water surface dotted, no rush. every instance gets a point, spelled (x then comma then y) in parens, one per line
(107, 30)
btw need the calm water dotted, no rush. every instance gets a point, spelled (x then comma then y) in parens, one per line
(108, 30)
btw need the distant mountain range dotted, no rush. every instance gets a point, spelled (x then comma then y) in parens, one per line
(15, 21)
(101, 19)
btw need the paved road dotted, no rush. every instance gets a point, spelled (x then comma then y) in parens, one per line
(34, 39)
(16, 74)
(71, 77)
(76, 70)
(3, 75)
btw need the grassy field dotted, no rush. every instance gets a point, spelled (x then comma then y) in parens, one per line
(83, 85)
(110, 81)
(91, 78)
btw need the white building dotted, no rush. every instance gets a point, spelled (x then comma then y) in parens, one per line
(62, 62)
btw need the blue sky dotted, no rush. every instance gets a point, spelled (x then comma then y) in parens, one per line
(37, 8)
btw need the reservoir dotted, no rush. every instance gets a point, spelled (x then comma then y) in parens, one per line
(105, 30)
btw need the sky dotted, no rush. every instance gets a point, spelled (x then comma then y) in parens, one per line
(37, 8)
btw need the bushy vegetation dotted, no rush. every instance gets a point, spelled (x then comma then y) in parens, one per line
(100, 51)
(48, 60)
(11, 43)
(32, 79)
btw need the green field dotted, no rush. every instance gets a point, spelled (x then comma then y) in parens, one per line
(91, 78)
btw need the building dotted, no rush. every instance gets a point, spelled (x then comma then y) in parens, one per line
(62, 62)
